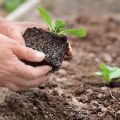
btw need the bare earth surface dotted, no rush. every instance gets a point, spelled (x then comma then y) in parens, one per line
(74, 93)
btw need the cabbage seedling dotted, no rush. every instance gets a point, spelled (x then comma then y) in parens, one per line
(110, 74)
(59, 26)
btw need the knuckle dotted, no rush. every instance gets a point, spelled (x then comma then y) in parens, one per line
(14, 44)
(29, 53)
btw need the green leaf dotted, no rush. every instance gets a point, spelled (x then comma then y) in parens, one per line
(76, 32)
(45, 16)
(115, 74)
(60, 25)
(108, 73)
(98, 73)
(105, 72)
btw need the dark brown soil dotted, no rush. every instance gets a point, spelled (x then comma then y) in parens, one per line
(55, 47)
(41, 106)
(73, 92)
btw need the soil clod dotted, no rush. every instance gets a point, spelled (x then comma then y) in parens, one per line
(55, 47)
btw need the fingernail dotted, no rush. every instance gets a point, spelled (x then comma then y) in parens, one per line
(40, 56)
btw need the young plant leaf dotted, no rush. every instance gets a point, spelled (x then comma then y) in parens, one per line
(98, 74)
(108, 73)
(105, 72)
(115, 74)
(45, 16)
(59, 24)
(58, 27)
(76, 32)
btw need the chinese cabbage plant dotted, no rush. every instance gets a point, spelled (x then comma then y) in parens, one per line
(59, 26)
(110, 74)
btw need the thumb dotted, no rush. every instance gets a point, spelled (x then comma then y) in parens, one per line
(23, 52)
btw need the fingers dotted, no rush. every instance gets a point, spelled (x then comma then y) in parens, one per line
(25, 25)
(20, 84)
(25, 79)
(26, 84)
(37, 81)
(23, 52)
(21, 78)
(29, 72)
(12, 86)
(18, 75)
(70, 52)
(29, 54)
(17, 36)
(11, 30)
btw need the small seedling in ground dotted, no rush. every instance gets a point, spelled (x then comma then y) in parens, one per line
(59, 26)
(53, 42)
(110, 74)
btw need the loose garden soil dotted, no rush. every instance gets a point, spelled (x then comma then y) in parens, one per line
(74, 93)
(55, 47)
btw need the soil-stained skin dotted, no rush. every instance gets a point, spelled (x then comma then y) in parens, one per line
(55, 47)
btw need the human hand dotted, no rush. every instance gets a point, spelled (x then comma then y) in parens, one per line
(16, 75)
(15, 30)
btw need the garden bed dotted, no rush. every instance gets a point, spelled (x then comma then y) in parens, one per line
(74, 93)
